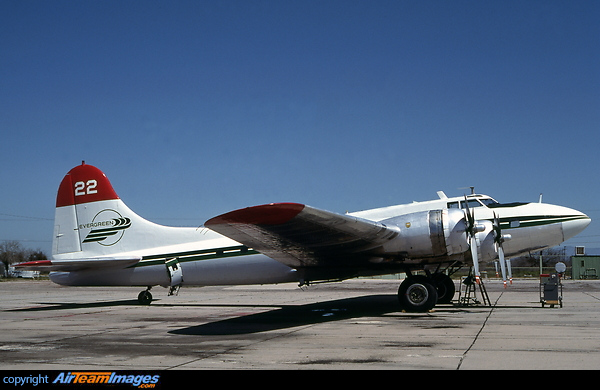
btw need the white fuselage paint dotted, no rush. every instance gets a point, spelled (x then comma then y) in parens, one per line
(208, 258)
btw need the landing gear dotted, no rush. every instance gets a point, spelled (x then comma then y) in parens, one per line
(144, 298)
(417, 294)
(445, 287)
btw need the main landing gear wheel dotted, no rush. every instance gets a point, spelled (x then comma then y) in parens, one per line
(144, 298)
(445, 287)
(417, 294)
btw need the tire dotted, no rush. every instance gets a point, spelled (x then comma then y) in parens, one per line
(417, 294)
(144, 298)
(445, 287)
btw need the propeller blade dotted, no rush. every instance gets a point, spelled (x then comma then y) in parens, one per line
(471, 230)
(475, 257)
(470, 216)
(498, 239)
(502, 264)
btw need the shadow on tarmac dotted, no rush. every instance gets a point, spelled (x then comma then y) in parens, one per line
(72, 306)
(279, 317)
(299, 315)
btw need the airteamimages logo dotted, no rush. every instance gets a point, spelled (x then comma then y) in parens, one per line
(108, 227)
(108, 377)
(145, 381)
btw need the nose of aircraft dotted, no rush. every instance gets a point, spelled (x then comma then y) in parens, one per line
(574, 223)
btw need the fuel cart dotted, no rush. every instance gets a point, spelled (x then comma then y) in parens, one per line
(551, 290)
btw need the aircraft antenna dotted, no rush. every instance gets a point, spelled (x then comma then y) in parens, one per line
(471, 187)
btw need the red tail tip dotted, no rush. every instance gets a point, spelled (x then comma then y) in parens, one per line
(84, 184)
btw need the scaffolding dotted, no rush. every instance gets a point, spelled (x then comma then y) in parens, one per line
(467, 294)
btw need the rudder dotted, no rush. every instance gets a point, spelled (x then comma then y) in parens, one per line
(81, 186)
(91, 221)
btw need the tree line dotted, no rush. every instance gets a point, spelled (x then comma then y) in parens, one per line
(12, 252)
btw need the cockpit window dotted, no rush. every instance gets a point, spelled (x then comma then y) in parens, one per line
(472, 203)
(488, 202)
(514, 204)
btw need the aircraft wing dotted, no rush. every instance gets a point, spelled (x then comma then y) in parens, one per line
(300, 236)
(78, 264)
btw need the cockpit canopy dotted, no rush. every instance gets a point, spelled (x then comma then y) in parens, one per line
(481, 201)
(474, 201)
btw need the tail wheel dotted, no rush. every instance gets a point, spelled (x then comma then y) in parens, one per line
(417, 294)
(144, 298)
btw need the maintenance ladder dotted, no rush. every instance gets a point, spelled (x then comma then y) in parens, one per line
(467, 295)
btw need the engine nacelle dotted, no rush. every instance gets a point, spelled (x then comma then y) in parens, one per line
(485, 240)
(429, 233)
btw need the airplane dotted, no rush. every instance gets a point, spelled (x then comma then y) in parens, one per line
(99, 241)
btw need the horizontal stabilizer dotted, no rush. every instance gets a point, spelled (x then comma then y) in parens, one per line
(79, 264)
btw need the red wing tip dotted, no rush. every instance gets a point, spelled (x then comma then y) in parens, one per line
(268, 214)
(35, 263)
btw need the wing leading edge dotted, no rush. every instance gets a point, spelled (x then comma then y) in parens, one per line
(302, 236)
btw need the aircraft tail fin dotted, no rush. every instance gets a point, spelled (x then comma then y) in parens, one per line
(92, 221)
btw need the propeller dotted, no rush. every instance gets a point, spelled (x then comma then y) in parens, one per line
(499, 239)
(472, 229)
(509, 270)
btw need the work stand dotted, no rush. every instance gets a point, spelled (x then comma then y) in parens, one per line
(467, 294)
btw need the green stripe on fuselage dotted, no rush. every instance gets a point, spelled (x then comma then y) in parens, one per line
(204, 254)
(537, 220)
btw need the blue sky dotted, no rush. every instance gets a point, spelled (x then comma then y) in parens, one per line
(195, 108)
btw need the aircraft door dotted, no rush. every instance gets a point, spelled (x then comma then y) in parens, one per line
(175, 274)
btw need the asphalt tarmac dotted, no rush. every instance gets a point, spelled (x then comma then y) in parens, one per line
(353, 325)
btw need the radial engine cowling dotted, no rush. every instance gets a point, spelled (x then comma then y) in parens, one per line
(429, 233)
